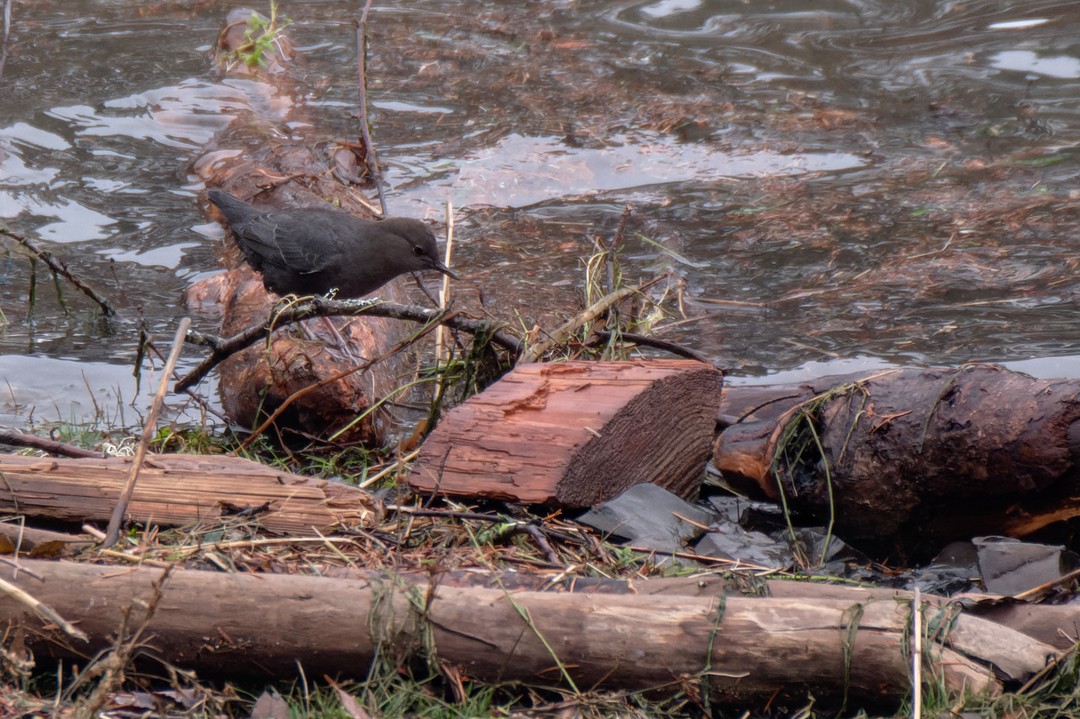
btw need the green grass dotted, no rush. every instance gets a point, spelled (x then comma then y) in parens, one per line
(262, 37)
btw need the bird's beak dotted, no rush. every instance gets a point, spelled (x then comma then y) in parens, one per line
(446, 270)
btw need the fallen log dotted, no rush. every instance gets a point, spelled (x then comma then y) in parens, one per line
(252, 159)
(930, 455)
(576, 433)
(180, 489)
(1054, 625)
(743, 647)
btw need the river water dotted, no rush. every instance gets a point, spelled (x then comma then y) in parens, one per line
(833, 185)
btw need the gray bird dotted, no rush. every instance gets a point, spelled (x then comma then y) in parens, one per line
(312, 250)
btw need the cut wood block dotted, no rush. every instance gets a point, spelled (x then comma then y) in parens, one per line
(577, 433)
(177, 489)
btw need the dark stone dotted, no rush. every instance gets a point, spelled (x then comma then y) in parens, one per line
(645, 516)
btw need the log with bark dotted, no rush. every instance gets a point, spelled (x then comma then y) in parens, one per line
(929, 455)
(742, 646)
(252, 159)
(181, 490)
(576, 433)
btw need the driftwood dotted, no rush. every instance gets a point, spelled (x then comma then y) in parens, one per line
(743, 646)
(927, 454)
(252, 160)
(576, 433)
(180, 490)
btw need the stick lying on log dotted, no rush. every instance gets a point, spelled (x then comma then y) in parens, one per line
(743, 646)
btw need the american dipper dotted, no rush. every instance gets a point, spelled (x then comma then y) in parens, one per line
(313, 250)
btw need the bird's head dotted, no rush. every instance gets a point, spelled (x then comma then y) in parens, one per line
(422, 251)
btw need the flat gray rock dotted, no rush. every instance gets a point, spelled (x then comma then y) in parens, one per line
(649, 516)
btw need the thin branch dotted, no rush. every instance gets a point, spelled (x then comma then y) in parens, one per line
(149, 429)
(371, 156)
(602, 336)
(320, 307)
(15, 438)
(7, 35)
(442, 353)
(58, 267)
(42, 610)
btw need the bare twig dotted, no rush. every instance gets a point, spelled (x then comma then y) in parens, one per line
(23, 439)
(441, 352)
(320, 307)
(7, 35)
(57, 266)
(42, 610)
(371, 156)
(149, 428)
(110, 667)
(674, 348)
(916, 655)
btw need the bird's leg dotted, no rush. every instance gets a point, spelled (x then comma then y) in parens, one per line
(341, 343)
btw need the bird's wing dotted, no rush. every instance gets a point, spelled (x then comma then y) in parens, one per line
(299, 243)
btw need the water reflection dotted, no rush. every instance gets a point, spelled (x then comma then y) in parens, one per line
(519, 171)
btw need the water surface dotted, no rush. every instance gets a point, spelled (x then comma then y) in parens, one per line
(842, 182)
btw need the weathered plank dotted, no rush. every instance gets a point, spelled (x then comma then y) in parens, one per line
(178, 489)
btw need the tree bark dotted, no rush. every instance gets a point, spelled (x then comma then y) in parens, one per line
(180, 489)
(576, 433)
(268, 624)
(929, 455)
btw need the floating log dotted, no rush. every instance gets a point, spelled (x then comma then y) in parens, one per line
(180, 489)
(576, 433)
(743, 646)
(929, 454)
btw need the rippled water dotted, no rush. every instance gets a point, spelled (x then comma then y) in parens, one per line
(839, 182)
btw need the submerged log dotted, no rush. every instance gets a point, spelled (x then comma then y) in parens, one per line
(742, 646)
(576, 433)
(252, 159)
(936, 454)
(180, 489)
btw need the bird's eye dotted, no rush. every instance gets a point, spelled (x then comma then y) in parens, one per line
(417, 250)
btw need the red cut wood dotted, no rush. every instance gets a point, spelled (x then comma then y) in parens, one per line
(576, 433)
(180, 489)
